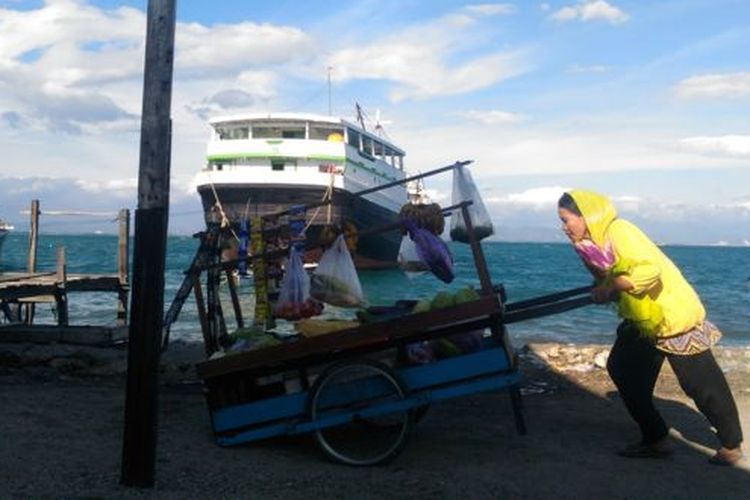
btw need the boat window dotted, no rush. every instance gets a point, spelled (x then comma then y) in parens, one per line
(389, 156)
(326, 133)
(367, 145)
(277, 165)
(276, 132)
(379, 149)
(222, 133)
(352, 138)
(293, 133)
(238, 133)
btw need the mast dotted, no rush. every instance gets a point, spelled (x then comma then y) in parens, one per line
(329, 90)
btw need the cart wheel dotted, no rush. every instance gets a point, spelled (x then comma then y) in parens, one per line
(361, 440)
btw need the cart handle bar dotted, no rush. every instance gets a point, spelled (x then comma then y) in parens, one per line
(373, 189)
(545, 299)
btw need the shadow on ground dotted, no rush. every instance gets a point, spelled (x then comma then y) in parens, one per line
(63, 438)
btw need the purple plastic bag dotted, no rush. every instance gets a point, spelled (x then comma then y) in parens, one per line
(431, 250)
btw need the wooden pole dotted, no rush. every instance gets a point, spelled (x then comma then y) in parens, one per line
(61, 294)
(476, 249)
(208, 342)
(33, 245)
(147, 301)
(234, 294)
(123, 251)
(33, 236)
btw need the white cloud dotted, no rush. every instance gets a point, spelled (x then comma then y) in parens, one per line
(235, 47)
(420, 61)
(726, 145)
(514, 151)
(540, 198)
(260, 83)
(591, 68)
(83, 65)
(246, 92)
(117, 187)
(591, 10)
(715, 85)
(493, 117)
(491, 9)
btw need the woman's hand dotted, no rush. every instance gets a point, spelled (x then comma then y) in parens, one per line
(607, 293)
(603, 294)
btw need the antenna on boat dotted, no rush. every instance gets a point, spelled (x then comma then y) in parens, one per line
(329, 90)
(379, 129)
(360, 115)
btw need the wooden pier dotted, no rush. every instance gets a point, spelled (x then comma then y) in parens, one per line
(21, 291)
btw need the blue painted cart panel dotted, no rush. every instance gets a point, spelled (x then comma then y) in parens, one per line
(485, 370)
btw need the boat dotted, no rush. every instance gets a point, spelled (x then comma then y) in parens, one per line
(260, 164)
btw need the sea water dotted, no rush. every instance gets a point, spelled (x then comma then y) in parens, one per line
(720, 275)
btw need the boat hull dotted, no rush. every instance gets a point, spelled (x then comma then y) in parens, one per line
(374, 251)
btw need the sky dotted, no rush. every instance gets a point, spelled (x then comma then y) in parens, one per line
(645, 101)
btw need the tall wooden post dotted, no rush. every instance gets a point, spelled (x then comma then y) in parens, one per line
(147, 301)
(123, 251)
(33, 236)
(61, 282)
(33, 245)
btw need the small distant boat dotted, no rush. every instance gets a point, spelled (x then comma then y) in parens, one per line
(5, 228)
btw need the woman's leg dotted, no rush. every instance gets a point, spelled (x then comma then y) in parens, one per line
(702, 379)
(634, 365)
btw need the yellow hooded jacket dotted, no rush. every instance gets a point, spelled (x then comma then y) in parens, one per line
(642, 263)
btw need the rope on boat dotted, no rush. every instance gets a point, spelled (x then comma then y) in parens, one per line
(224, 218)
(327, 196)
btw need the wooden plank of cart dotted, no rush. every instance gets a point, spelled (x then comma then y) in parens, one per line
(353, 389)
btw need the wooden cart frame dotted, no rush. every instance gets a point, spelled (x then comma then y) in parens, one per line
(357, 379)
(357, 376)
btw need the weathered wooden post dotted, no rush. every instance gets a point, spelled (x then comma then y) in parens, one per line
(33, 245)
(123, 251)
(61, 282)
(147, 301)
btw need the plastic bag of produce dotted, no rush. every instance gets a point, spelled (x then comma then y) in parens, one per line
(464, 189)
(432, 251)
(335, 281)
(458, 343)
(420, 353)
(408, 258)
(294, 297)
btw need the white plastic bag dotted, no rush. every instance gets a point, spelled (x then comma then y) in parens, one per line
(408, 258)
(464, 189)
(294, 300)
(335, 281)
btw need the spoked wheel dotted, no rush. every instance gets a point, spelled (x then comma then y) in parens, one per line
(357, 406)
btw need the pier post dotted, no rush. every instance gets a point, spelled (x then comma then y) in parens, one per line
(61, 280)
(33, 245)
(123, 251)
(151, 216)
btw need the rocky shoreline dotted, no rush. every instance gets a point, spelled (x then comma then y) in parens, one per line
(178, 362)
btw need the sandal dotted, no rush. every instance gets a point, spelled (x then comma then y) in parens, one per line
(658, 449)
(726, 456)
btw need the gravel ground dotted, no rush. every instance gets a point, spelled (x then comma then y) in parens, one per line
(62, 438)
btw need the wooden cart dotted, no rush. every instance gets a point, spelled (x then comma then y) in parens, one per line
(353, 379)
(353, 389)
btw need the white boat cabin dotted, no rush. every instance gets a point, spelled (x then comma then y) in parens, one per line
(259, 131)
